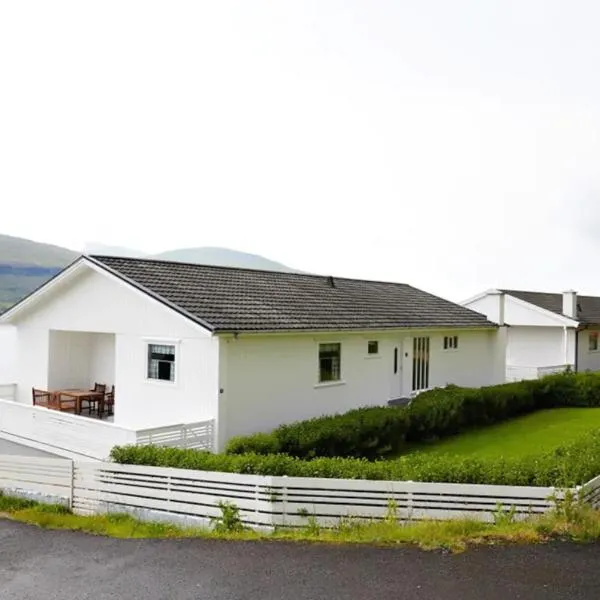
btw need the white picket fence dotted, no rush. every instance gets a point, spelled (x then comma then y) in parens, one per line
(177, 495)
(591, 492)
(76, 436)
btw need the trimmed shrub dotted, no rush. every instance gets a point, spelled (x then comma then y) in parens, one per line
(569, 465)
(369, 432)
(258, 443)
(379, 431)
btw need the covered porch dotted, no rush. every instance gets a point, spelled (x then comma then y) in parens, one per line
(81, 374)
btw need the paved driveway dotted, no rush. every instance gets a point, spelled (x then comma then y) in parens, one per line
(36, 564)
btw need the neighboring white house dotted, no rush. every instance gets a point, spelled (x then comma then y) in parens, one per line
(546, 332)
(249, 350)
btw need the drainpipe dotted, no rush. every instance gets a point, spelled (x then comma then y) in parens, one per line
(577, 332)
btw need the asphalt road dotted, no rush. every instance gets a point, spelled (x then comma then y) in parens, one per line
(36, 564)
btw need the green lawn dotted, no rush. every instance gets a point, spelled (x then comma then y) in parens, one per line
(531, 434)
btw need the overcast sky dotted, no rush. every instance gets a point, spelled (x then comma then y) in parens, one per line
(451, 145)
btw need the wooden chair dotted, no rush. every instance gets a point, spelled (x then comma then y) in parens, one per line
(42, 398)
(95, 402)
(109, 402)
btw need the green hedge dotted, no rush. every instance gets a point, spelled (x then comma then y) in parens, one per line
(364, 433)
(570, 465)
(381, 431)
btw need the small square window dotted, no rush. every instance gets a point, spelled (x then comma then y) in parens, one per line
(330, 360)
(593, 341)
(450, 342)
(161, 362)
(373, 347)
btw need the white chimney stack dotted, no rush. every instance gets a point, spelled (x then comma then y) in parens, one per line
(497, 313)
(570, 304)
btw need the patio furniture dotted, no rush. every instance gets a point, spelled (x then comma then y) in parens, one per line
(94, 401)
(73, 399)
(109, 402)
(63, 402)
(41, 397)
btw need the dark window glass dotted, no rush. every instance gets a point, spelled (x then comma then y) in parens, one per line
(373, 347)
(161, 362)
(330, 358)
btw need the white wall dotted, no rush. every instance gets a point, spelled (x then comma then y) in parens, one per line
(517, 312)
(95, 303)
(540, 346)
(69, 360)
(102, 359)
(269, 380)
(587, 360)
(8, 354)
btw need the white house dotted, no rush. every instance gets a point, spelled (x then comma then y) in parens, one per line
(546, 332)
(247, 350)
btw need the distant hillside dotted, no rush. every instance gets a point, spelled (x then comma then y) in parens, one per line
(28, 253)
(25, 264)
(222, 257)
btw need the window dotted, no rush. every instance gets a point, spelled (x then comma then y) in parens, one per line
(395, 360)
(330, 358)
(451, 342)
(593, 341)
(161, 362)
(373, 348)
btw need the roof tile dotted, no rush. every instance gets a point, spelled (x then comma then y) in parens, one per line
(236, 299)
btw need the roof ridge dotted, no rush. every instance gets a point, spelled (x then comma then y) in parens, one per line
(102, 257)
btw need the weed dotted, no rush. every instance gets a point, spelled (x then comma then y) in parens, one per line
(502, 516)
(229, 521)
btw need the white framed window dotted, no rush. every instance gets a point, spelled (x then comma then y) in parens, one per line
(593, 341)
(451, 342)
(372, 347)
(330, 362)
(161, 362)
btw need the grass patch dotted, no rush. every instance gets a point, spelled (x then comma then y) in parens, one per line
(569, 521)
(529, 435)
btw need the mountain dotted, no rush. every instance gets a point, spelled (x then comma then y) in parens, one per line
(25, 264)
(14, 250)
(223, 257)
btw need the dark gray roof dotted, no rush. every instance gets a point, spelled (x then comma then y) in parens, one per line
(234, 299)
(588, 307)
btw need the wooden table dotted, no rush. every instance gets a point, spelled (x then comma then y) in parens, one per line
(79, 395)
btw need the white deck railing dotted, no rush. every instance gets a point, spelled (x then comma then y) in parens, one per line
(76, 436)
(520, 372)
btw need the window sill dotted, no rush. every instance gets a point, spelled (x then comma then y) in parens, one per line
(161, 383)
(326, 384)
(372, 356)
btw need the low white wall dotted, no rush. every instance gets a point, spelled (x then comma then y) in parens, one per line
(269, 380)
(8, 354)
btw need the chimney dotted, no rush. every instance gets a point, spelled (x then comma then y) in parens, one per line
(496, 315)
(569, 305)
